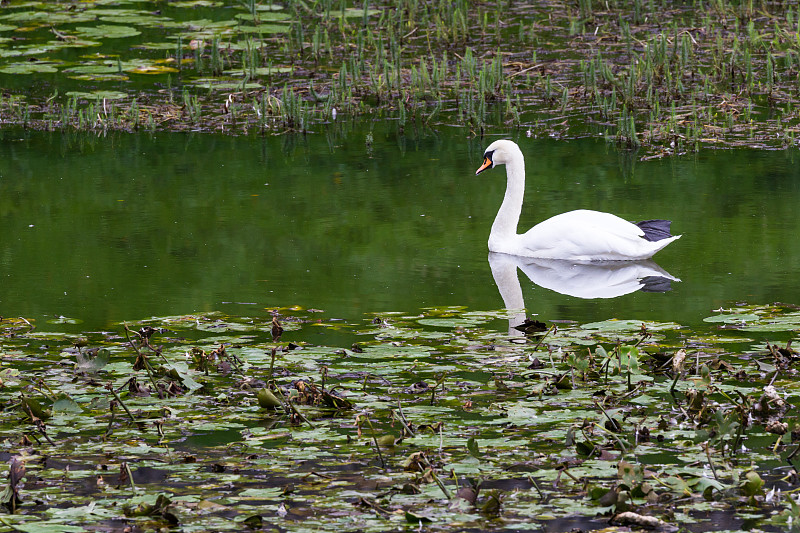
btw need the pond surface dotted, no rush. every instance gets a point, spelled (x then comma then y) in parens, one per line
(362, 224)
(123, 227)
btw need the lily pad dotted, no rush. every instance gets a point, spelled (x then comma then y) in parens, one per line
(196, 3)
(64, 320)
(107, 31)
(137, 18)
(732, 318)
(450, 322)
(99, 77)
(108, 68)
(268, 7)
(28, 67)
(48, 17)
(354, 12)
(206, 25)
(613, 326)
(261, 71)
(264, 15)
(266, 29)
(165, 45)
(49, 526)
(9, 53)
(225, 85)
(98, 95)
(153, 69)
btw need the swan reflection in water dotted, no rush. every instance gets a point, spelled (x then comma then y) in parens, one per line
(581, 279)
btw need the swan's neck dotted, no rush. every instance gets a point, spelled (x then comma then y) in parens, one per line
(505, 224)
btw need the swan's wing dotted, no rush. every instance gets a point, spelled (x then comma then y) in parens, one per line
(588, 234)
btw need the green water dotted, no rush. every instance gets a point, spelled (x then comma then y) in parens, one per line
(128, 226)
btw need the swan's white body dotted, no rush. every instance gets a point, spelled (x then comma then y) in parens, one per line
(580, 235)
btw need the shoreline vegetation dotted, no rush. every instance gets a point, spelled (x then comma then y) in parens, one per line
(665, 76)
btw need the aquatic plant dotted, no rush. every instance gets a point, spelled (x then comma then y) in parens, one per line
(482, 67)
(210, 421)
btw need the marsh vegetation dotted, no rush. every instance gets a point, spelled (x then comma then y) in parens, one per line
(668, 75)
(432, 420)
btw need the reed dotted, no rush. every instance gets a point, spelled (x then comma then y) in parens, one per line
(448, 60)
(133, 113)
(294, 111)
(191, 106)
(217, 63)
(179, 53)
(199, 64)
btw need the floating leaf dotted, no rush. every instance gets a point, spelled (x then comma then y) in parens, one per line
(48, 17)
(449, 323)
(171, 46)
(98, 95)
(107, 31)
(265, 29)
(262, 494)
(261, 71)
(628, 326)
(65, 404)
(414, 518)
(268, 7)
(354, 12)
(64, 320)
(264, 15)
(153, 69)
(9, 52)
(38, 67)
(732, 318)
(196, 3)
(92, 362)
(225, 86)
(110, 67)
(48, 526)
(92, 510)
(133, 17)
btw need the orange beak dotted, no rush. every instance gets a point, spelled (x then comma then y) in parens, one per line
(487, 163)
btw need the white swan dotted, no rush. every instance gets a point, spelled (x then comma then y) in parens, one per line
(580, 235)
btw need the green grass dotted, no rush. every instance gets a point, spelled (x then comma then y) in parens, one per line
(618, 67)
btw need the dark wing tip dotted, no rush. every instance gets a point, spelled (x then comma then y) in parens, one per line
(655, 230)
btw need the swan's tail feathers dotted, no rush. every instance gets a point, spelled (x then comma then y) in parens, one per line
(655, 230)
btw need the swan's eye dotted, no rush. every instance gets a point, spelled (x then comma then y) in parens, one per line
(487, 162)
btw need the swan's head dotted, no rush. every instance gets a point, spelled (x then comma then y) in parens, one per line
(499, 153)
